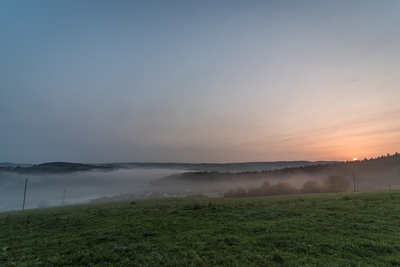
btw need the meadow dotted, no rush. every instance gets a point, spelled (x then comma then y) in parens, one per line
(342, 229)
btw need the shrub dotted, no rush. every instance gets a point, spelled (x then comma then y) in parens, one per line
(266, 185)
(282, 189)
(336, 183)
(230, 193)
(240, 192)
(311, 186)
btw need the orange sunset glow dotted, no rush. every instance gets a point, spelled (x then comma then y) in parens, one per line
(265, 81)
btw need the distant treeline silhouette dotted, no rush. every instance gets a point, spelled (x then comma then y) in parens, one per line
(381, 164)
(333, 183)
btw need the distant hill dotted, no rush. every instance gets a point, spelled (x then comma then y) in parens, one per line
(374, 172)
(56, 167)
(60, 167)
(13, 165)
(222, 167)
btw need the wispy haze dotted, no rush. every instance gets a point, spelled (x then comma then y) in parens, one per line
(198, 81)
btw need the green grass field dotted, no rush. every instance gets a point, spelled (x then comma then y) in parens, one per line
(346, 229)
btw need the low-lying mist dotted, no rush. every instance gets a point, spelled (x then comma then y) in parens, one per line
(157, 180)
(48, 189)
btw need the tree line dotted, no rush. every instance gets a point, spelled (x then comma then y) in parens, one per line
(333, 183)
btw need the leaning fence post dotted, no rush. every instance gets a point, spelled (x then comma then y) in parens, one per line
(23, 203)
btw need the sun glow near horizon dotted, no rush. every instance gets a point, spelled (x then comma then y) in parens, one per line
(236, 84)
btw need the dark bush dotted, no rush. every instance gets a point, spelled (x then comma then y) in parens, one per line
(256, 192)
(311, 186)
(266, 185)
(336, 183)
(230, 193)
(282, 189)
(240, 192)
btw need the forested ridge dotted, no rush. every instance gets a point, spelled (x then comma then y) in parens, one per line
(373, 171)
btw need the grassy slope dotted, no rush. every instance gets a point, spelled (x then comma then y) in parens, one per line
(351, 229)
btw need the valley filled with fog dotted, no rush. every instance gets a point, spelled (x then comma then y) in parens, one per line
(47, 182)
(61, 183)
(80, 187)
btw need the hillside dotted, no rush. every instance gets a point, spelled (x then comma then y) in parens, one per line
(13, 165)
(380, 171)
(348, 229)
(222, 167)
(59, 167)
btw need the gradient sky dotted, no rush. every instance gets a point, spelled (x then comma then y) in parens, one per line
(198, 81)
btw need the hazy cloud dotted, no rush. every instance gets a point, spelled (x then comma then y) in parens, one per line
(198, 81)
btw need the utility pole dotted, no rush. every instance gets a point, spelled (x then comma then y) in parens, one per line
(23, 204)
(64, 197)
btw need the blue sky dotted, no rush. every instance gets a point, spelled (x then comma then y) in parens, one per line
(198, 81)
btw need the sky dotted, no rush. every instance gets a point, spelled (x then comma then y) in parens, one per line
(198, 81)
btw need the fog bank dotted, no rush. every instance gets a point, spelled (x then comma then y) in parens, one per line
(79, 187)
